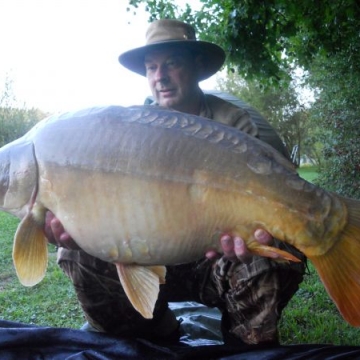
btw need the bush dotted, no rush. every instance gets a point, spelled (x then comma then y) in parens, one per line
(338, 113)
(15, 122)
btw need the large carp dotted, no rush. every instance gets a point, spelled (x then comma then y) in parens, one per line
(144, 187)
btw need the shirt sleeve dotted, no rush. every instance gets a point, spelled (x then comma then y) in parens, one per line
(244, 123)
(224, 112)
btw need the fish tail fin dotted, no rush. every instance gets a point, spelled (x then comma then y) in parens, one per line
(30, 253)
(339, 268)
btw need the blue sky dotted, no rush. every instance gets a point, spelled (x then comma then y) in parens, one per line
(62, 54)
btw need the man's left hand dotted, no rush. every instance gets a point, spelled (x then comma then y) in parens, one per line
(234, 248)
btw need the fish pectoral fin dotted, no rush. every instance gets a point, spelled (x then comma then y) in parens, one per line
(271, 252)
(30, 252)
(142, 285)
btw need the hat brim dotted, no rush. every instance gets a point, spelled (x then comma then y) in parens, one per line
(213, 55)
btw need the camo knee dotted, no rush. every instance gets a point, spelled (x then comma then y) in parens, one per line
(104, 302)
(255, 294)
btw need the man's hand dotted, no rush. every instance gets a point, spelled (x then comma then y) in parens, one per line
(234, 248)
(56, 234)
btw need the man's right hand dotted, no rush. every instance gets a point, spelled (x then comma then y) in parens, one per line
(56, 234)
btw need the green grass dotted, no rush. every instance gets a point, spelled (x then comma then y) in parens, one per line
(309, 173)
(50, 303)
(312, 318)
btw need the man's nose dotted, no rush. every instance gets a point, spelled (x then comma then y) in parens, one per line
(161, 74)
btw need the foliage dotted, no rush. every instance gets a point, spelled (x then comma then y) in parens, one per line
(257, 33)
(279, 105)
(15, 120)
(337, 112)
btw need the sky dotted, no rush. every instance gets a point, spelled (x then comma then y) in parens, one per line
(62, 55)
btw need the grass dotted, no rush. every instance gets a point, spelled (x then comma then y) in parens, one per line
(309, 173)
(50, 303)
(310, 317)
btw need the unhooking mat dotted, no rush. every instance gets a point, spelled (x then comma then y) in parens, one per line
(201, 339)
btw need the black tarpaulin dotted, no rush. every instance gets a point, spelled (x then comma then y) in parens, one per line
(200, 339)
(18, 342)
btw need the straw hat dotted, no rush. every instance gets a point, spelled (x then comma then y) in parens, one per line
(164, 33)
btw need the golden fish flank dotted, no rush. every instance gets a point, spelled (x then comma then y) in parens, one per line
(159, 187)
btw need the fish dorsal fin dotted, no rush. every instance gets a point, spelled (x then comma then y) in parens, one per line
(30, 252)
(141, 285)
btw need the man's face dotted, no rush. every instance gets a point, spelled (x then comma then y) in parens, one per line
(172, 76)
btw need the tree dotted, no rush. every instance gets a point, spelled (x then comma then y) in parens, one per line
(15, 120)
(257, 34)
(280, 106)
(337, 112)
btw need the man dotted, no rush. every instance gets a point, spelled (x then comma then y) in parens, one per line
(250, 291)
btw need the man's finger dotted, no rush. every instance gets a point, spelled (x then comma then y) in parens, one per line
(56, 228)
(240, 247)
(263, 237)
(227, 245)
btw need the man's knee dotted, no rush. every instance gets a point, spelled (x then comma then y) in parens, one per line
(104, 302)
(255, 294)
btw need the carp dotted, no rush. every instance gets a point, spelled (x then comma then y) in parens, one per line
(144, 187)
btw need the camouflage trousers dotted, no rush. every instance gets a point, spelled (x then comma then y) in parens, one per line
(250, 296)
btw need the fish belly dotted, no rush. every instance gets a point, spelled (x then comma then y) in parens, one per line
(121, 218)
